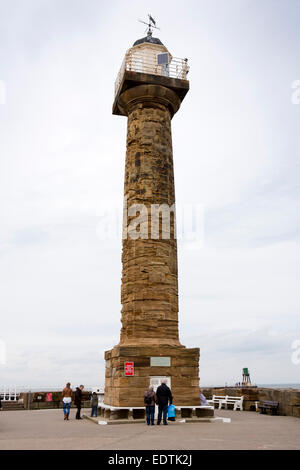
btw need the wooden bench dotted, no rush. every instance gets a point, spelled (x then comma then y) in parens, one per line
(226, 400)
(272, 406)
(218, 400)
(237, 402)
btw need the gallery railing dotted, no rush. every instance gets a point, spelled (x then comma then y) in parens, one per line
(177, 68)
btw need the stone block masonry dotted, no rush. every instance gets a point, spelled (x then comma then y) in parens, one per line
(149, 291)
(129, 391)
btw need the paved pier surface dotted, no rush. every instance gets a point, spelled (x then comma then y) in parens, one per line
(45, 429)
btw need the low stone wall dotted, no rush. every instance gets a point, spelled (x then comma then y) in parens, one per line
(289, 399)
(50, 405)
(37, 401)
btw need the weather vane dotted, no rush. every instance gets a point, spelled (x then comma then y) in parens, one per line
(150, 25)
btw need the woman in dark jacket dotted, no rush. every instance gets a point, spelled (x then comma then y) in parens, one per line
(150, 400)
(78, 399)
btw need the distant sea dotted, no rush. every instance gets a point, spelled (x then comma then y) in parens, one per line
(296, 386)
(52, 388)
(280, 386)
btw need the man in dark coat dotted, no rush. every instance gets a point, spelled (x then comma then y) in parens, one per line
(164, 397)
(78, 399)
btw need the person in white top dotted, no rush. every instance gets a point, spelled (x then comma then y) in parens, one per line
(67, 400)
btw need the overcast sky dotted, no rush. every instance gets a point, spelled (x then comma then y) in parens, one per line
(236, 154)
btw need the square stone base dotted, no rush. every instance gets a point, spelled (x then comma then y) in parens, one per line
(122, 391)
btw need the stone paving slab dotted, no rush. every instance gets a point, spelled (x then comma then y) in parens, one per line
(46, 429)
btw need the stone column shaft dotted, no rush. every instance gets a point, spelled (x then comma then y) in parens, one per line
(149, 292)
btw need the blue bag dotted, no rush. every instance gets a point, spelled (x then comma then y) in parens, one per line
(171, 411)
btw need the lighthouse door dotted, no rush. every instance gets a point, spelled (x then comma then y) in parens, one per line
(156, 381)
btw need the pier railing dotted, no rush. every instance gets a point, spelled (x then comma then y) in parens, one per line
(9, 394)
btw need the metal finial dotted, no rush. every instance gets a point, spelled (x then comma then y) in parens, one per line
(150, 25)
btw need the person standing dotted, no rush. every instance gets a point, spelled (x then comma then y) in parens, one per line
(203, 401)
(149, 400)
(67, 400)
(185, 69)
(163, 398)
(94, 403)
(78, 400)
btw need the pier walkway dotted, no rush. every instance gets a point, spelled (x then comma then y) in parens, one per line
(45, 429)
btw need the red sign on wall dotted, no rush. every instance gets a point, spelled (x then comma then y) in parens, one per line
(49, 397)
(129, 368)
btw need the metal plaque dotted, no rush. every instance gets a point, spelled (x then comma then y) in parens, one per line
(160, 361)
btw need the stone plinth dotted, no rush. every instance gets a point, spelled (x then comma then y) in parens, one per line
(129, 391)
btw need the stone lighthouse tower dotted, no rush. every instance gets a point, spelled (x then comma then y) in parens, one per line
(149, 90)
